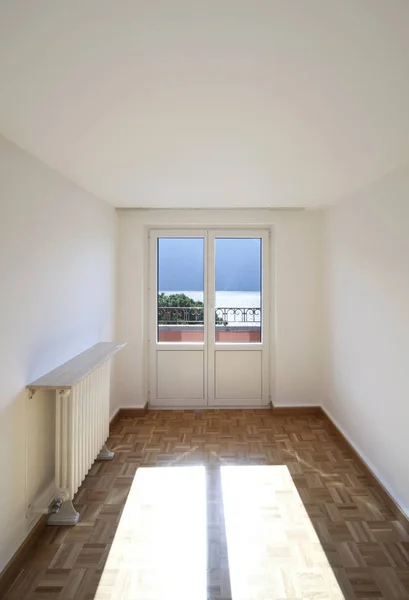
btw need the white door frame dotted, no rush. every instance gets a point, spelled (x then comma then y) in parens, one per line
(154, 347)
(208, 347)
(264, 346)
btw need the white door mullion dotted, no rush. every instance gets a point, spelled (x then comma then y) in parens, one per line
(265, 325)
(210, 340)
(206, 324)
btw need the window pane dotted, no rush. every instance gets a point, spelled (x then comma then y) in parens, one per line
(238, 290)
(180, 290)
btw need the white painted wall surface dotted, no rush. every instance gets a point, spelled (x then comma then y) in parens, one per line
(57, 277)
(297, 297)
(367, 305)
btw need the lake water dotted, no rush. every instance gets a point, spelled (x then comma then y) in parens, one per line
(228, 299)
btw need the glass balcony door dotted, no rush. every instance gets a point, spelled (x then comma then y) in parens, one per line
(178, 318)
(208, 324)
(238, 346)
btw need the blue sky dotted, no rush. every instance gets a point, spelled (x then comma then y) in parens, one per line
(180, 264)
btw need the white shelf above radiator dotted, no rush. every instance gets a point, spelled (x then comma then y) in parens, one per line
(66, 376)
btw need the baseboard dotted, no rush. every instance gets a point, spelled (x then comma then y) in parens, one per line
(12, 569)
(115, 418)
(384, 493)
(276, 410)
(123, 413)
(42, 503)
(296, 411)
(206, 407)
(129, 413)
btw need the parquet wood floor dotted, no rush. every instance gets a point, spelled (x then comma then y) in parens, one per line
(312, 527)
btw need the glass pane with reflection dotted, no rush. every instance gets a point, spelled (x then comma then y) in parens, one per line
(180, 301)
(238, 290)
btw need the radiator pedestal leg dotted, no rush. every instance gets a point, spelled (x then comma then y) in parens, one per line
(105, 454)
(67, 515)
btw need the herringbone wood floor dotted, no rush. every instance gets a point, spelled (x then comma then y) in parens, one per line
(366, 547)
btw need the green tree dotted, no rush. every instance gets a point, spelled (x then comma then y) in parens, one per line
(179, 308)
(179, 305)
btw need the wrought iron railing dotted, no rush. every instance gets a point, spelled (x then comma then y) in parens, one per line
(189, 315)
(238, 315)
(180, 315)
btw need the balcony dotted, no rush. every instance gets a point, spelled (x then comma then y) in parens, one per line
(232, 324)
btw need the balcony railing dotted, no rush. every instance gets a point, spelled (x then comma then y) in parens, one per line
(180, 315)
(238, 315)
(184, 324)
(192, 315)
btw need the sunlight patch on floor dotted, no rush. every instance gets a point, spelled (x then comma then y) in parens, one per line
(159, 550)
(273, 549)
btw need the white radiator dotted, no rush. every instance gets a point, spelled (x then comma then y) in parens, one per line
(82, 428)
(82, 391)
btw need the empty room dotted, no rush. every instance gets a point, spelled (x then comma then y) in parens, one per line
(204, 303)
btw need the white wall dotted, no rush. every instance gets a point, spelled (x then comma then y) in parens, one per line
(296, 260)
(367, 305)
(57, 277)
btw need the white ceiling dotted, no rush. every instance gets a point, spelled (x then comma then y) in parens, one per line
(210, 103)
